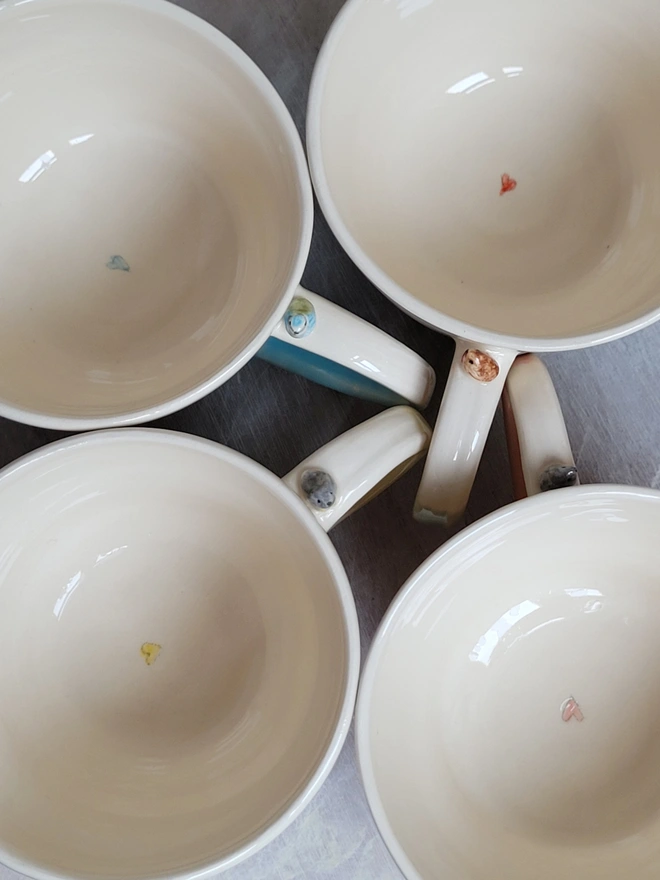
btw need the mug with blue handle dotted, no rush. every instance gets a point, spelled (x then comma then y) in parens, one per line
(156, 219)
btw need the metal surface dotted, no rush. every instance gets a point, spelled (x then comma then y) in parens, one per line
(609, 396)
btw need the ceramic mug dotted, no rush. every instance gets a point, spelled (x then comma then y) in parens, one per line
(508, 715)
(179, 647)
(494, 171)
(156, 215)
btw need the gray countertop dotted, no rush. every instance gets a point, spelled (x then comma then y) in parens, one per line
(609, 395)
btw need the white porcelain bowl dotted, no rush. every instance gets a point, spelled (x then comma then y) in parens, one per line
(179, 654)
(155, 210)
(508, 720)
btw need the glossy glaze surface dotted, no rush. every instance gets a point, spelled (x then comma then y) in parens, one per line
(338, 349)
(508, 718)
(156, 212)
(178, 656)
(422, 115)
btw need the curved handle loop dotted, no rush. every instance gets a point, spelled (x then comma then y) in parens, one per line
(351, 470)
(473, 390)
(539, 449)
(321, 341)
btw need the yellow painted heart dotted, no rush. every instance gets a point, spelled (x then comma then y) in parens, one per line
(150, 652)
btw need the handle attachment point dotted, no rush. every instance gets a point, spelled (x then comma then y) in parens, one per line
(474, 386)
(479, 365)
(356, 466)
(558, 476)
(324, 342)
(318, 488)
(300, 317)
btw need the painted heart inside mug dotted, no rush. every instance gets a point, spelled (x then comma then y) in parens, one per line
(498, 164)
(509, 716)
(151, 207)
(171, 685)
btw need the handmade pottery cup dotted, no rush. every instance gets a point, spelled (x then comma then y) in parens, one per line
(155, 218)
(179, 646)
(494, 171)
(508, 715)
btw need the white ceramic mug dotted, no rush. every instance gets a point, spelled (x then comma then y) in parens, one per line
(179, 647)
(508, 714)
(494, 171)
(155, 218)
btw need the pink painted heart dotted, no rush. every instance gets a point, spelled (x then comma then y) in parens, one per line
(570, 709)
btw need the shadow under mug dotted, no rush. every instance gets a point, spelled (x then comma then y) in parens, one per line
(156, 216)
(496, 175)
(179, 646)
(508, 710)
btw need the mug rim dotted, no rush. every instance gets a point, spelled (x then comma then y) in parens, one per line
(343, 591)
(290, 139)
(406, 301)
(517, 510)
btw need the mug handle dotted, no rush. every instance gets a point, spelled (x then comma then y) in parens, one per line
(352, 469)
(474, 387)
(321, 341)
(540, 453)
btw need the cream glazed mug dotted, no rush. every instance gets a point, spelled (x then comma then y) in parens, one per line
(179, 646)
(494, 171)
(155, 218)
(508, 717)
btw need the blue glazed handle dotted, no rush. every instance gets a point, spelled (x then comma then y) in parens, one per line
(323, 342)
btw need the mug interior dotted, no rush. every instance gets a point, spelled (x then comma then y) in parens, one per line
(174, 657)
(152, 206)
(496, 167)
(509, 716)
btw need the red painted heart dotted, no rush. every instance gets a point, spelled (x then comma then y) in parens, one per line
(508, 184)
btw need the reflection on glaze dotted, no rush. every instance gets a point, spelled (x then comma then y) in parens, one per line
(475, 81)
(67, 592)
(580, 593)
(101, 557)
(470, 83)
(483, 650)
(366, 365)
(408, 7)
(37, 168)
(74, 582)
(81, 139)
